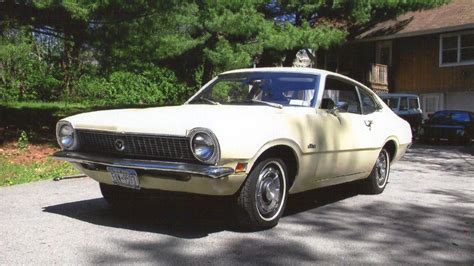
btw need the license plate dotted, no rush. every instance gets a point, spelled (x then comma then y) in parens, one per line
(124, 177)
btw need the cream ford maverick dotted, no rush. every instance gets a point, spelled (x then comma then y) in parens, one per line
(257, 134)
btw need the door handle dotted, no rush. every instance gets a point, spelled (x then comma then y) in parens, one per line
(368, 123)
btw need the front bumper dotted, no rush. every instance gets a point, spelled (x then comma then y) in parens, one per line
(214, 172)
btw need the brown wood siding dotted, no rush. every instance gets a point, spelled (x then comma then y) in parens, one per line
(416, 68)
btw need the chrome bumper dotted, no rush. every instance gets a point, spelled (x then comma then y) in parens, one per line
(146, 165)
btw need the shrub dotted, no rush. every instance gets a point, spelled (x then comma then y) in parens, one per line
(22, 143)
(25, 75)
(157, 86)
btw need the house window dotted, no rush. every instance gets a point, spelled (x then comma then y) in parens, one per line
(467, 47)
(457, 49)
(383, 53)
(431, 104)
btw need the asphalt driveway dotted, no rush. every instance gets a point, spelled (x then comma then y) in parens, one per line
(426, 215)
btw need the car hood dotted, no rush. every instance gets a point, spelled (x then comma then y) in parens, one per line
(233, 125)
(173, 120)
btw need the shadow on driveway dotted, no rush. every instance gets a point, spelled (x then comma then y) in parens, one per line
(414, 233)
(188, 216)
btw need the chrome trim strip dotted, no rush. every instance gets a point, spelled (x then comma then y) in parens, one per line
(348, 150)
(129, 133)
(214, 172)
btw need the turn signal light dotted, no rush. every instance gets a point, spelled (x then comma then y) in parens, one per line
(240, 168)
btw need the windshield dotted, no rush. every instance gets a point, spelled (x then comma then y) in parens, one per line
(274, 89)
(391, 102)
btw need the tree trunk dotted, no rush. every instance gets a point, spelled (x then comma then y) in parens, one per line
(290, 57)
(270, 58)
(70, 63)
(66, 65)
(266, 59)
(207, 71)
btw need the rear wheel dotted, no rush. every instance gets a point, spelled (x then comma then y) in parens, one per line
(262, 199)
(378, 178)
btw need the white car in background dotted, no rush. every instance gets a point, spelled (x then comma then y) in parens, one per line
(258, 134)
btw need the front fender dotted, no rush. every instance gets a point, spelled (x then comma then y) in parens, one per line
(274, 143)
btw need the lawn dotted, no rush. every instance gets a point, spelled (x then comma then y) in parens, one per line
(27, 139)
(31, 163)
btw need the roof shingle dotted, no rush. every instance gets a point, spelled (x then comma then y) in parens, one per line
(456, 15)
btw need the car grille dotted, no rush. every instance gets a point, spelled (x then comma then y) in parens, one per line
(440, 133)
(169, 148)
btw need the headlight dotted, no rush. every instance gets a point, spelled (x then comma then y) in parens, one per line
(65, 135)
(204, 145)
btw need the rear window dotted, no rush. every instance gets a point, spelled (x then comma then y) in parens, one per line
(460, 117)
(450, 117)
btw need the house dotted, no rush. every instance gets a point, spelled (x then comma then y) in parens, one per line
(429, 53)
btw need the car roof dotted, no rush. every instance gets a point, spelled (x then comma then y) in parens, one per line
(454, 111)
(382, 95)
(302, 70)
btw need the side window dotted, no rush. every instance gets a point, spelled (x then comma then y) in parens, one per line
(368, 103)
(340, 94)
(413, 103)
(403, 104)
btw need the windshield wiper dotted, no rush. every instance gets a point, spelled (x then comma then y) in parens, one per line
(206, 100)
(276, 105)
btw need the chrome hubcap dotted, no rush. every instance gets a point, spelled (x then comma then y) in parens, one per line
(381, 170)
(269, 190)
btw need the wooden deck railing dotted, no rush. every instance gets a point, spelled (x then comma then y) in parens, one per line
(378, 74)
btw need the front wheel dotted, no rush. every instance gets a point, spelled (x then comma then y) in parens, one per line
(378, 178)
(262, 199)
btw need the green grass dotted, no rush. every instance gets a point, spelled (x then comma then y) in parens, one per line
(38, 120)
(12, 173)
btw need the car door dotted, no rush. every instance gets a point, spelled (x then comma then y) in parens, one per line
(342, 132)
(375, 136)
